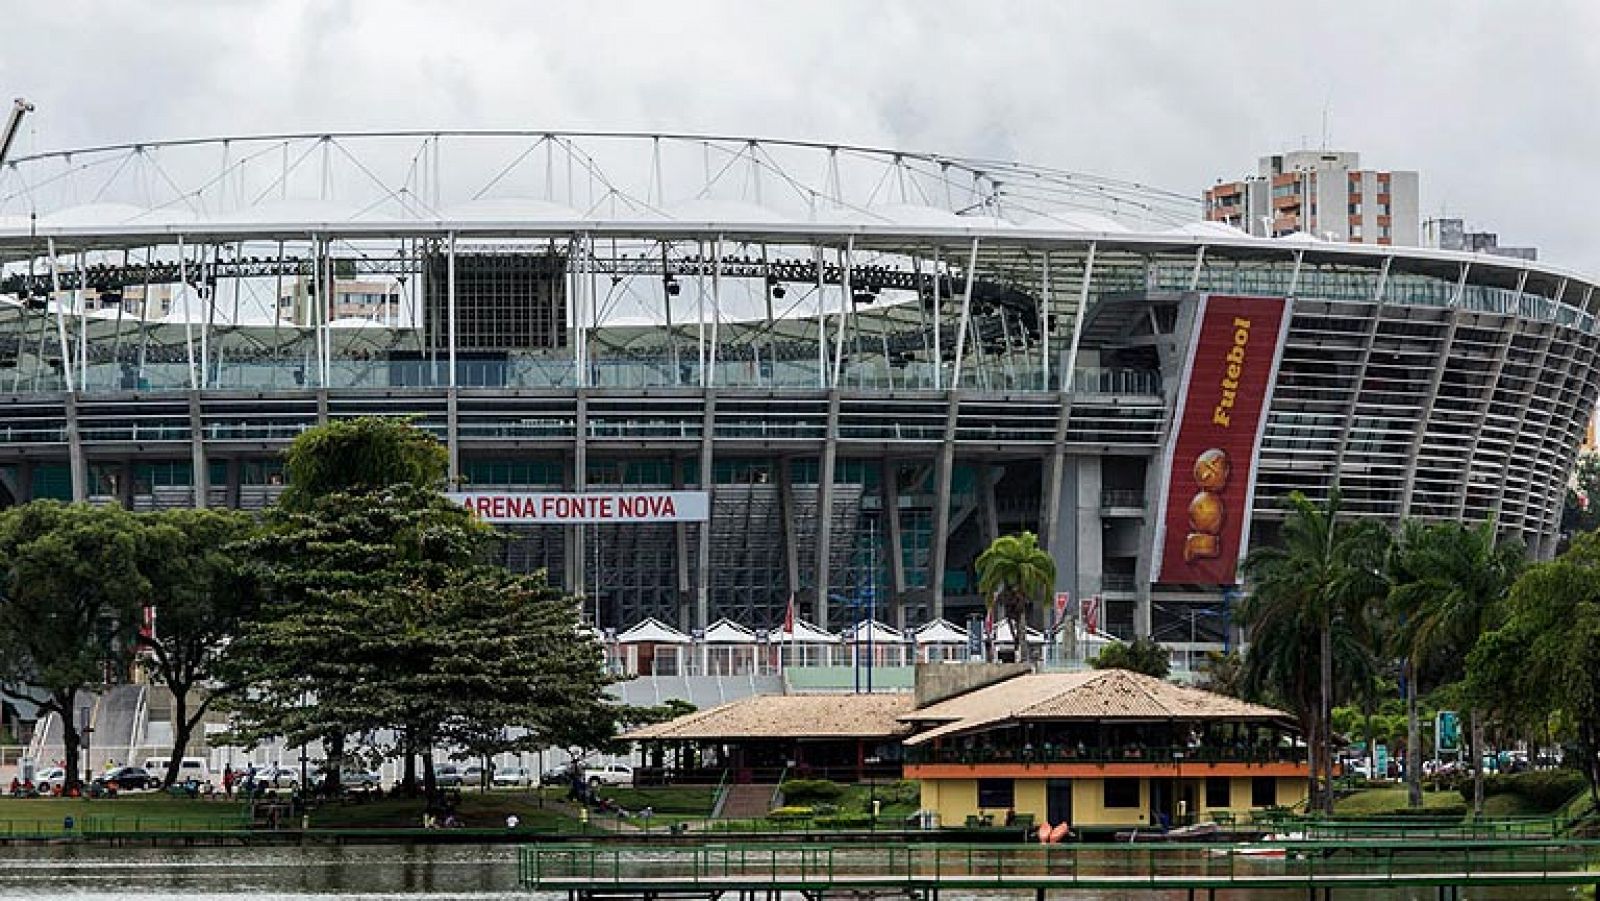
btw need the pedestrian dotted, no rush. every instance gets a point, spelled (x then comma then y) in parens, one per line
(512, 822)
(227, 783)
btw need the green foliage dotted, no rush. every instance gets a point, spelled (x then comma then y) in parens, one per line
(1541, 659)
(70, 593)
(790, 814)
(632, 716)
(1015, 573)
(844, 821)
(361, 455)
(1223, 673)
(202, 593)
(1543, 790)
(811, 791)
(1143, 655)
(1581, 513)
(382, 614)
(1311, 613)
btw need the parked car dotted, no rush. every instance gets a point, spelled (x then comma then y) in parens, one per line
(447, 775)
(472, 774)
(190, 769)
(360, 779)
(512, 777)
(610, 774)
(270, 776)
(49, 779)
(128, 778)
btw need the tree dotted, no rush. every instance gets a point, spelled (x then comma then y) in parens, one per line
(202, 594)
(69, 599)
(1143, 655)
(1013, 573)
(362, 515)
(1310, 599)
(1541, 657)
(1223, 673)
(1454, 579)
(1581, 512)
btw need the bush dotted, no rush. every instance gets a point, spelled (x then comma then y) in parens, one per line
(904, 791)
(844, 821)
(1442, 812)
(810, 791)
(790, 813)
(1545, 790)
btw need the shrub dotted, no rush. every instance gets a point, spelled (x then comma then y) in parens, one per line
(790, 813)
(844, 821)
(810, 791)
(1545, 790)
(1442, 812)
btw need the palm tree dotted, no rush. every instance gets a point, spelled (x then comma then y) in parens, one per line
(1013, 573)
(1310, 598)
(1453, 586)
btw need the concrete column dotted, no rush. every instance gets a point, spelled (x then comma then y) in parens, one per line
(830, 449)
(201, 473)
(452, 437)
(680, 537)
(943, 471)
(24, 481)
(571, 580)
(702, 590)
(125, 484)
(988, 511)
(791, 547)
(233, 483)
(1090, 554)
(577, 535)
(1408, 484)
(322, 406)
(77, 465)
(890, 486)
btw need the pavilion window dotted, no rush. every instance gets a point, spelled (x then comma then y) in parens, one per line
(1219, 792)
(1264, 791)
(1000, 793)
(1121, 793)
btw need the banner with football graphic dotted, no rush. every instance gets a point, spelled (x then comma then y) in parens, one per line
(1203, 519)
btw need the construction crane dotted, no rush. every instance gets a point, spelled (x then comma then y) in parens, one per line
(19, 108)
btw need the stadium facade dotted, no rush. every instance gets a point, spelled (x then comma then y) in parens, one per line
(865, 363)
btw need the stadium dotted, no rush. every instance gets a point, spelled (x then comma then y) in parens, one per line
(699, 376)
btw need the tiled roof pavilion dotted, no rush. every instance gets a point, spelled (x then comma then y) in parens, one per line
(1109, 694)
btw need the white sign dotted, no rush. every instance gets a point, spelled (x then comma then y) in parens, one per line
(571, 509)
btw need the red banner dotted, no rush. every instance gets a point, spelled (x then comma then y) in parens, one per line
(1203, 525)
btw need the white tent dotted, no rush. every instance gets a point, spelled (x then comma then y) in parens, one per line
(726, 631)
(652, 631)
(873, 631)
(940, 631)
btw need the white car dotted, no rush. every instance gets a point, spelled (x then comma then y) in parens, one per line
(49, 779)
(619, 774)
(275, 777)
(512, 777)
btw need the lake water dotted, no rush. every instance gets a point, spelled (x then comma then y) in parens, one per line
(440, 873)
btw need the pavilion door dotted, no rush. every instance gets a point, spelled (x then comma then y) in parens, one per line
(1058, 801)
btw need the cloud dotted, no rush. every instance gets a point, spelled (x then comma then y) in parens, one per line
(1489, 101)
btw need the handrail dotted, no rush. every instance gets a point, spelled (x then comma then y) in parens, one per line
(920, 866)
(720, 795)
(776, 800)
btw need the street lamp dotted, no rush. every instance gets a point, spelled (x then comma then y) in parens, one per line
(86, 726)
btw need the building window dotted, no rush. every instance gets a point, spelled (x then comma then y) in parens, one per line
(997, 793)
(1121, 793)
(1219, 791)
(1355, 209)
(1264, 791)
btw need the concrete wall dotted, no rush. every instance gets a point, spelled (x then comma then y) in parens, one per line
(939, 681)
(956, 799)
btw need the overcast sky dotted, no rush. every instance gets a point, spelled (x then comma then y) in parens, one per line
(1496, 104)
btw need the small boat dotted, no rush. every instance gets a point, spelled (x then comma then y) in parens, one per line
(1199, 832)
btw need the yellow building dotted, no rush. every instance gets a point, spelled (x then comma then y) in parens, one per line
(1101, 750)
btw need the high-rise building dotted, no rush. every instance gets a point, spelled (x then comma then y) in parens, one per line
(1452, 234)
(1324, 193)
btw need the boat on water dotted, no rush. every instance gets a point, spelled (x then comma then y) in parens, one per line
(1199, 832)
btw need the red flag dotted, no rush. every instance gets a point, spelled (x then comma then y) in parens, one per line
(788, 616)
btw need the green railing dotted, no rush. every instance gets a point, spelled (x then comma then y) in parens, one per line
(817, 866)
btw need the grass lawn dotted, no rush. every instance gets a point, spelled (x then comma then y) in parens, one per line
(144, 811)
(683, 801)
(1378, 801)
(478, 810)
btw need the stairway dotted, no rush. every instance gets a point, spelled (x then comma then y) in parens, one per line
(747, 802)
